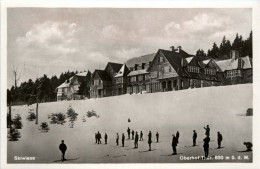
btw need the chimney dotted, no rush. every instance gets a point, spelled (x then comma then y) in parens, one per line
(173, 49)
(234, 54)
(178, 49)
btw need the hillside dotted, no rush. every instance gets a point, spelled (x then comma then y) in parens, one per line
(183, 111)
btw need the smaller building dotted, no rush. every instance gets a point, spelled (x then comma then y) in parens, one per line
(69, 90)
(237, 70)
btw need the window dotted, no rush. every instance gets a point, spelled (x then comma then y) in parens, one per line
(170, 69)
(147, 76)
(210, 71)
(233, 73)
(97, 82)
(193, 69)
(133, 79)
(160, 59)
(140, 78)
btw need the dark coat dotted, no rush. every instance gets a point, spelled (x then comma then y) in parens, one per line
(206, 142)
(63, 147)
(149, 138)
(220, 137)
(136, 137)
(194, 135)
(123, 137)
(177, 135)
(174, 141)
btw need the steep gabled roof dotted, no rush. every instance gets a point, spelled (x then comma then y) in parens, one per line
(115, 66)
(175, 59)
(103, 75)
(123, 71)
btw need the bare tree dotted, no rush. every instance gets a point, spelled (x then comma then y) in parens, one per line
(17, 76)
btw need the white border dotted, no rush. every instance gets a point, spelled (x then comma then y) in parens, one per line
(135, 4)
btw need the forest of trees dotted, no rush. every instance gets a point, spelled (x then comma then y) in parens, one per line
(44, 87)
(221, 52)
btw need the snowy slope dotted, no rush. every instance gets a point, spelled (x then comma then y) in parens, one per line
(168, 112)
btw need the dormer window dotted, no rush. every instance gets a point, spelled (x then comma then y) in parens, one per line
(193, 69)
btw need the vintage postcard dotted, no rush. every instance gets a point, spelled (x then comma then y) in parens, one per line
(113, 84)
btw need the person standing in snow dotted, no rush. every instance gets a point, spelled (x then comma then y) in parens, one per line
(141, 136)
(177, 136)
(219, 139)
(117, 139)
(174, 144)
(128, 132)
(157, 137)
(149, 140)
(123, 140)
(136, 140)
(63, 149)
(133, 134)
(99, 137)
(105, 138)
(207, 133)
(206, 146)
(194, 137)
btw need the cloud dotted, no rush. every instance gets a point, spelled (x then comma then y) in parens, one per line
(171, 27)
(112, 32)
(49, 37)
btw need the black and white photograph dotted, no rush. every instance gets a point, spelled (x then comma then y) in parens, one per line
(120, 85)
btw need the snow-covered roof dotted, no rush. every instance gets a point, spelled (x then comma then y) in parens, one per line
(206, 61)
(63, 85)
(82, 74)
(189, 59)
(231, 64)
(121, 72)
(138, 72)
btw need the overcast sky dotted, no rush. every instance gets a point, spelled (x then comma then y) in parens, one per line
(51, 41)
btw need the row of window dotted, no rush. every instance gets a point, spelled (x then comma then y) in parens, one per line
(233, 73)
(139, 78)
(193, 69)
(210, 71)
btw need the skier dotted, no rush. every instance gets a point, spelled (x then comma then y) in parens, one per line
(174, 144)
(141, 136)
(220, 138)
(99, 137)
(128, 132)
(177, 136)
(123, 140)
(63, 149)
(117, 139)
(206, 145)
(133, 134)
(194, 137)
(150, 140)
(207, 133)
(157, 137)
(136, 139)
(105, 138)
